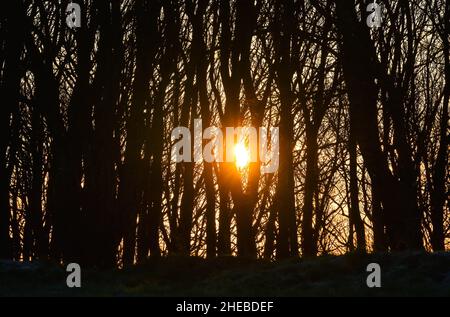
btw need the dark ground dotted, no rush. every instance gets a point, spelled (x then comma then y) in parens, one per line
(403, 274)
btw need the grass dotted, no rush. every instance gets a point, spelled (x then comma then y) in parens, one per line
(402, 274)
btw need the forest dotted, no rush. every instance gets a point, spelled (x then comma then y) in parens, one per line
(88, 112)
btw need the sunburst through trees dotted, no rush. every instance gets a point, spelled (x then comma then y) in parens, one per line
(88, 114)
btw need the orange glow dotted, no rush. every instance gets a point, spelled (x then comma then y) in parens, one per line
(242, 155)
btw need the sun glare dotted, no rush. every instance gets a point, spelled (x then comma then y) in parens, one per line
(242, 155)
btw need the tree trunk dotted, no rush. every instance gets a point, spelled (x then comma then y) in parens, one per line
(438, 192)
(359, 62)
(287, 244)
(309, 245)
(355, 215)
(9, 91)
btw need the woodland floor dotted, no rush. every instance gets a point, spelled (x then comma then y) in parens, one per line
(403, 274)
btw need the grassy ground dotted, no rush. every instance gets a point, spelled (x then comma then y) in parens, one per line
(404, 274)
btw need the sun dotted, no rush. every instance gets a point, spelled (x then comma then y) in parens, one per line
(242, 155)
